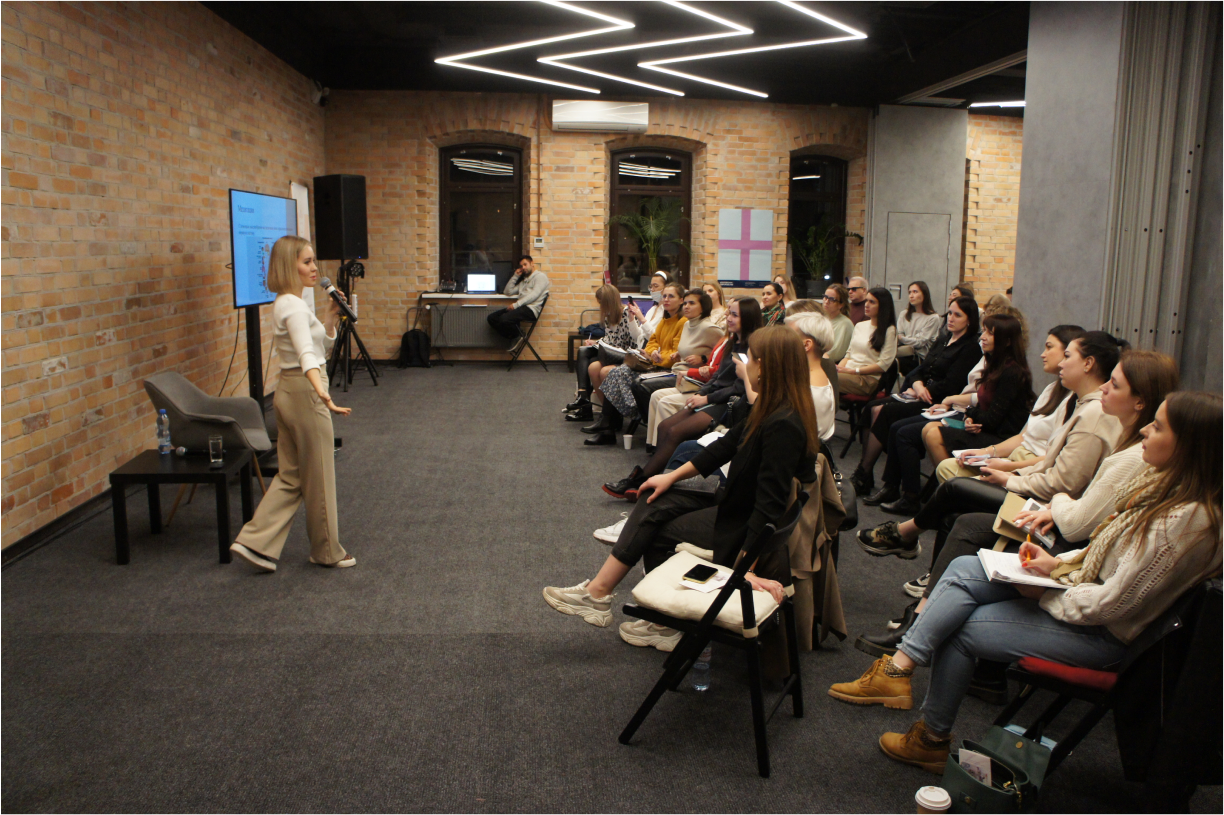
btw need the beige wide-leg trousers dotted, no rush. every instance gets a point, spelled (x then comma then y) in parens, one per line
(305, 453)
(664, 403)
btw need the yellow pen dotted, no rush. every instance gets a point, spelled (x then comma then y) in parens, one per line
(1028, 538)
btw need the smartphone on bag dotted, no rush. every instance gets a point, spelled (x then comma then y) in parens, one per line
(700, 574)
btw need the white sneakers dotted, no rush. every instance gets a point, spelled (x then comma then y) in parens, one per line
(577, 602)
(342, 563)
(645, 634)
(611, 534)
(254, 558)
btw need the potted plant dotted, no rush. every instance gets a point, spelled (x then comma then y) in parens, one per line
(652, 225)
(818, 248)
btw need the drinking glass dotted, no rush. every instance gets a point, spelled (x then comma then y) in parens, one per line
(216, 453)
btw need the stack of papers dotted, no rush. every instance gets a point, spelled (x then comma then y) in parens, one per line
(713, 584)
(935, 413)
(971, 461)
(908, 398)
(1004, 567)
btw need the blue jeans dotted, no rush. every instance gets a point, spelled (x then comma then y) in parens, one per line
(685, 453)
(968, 617)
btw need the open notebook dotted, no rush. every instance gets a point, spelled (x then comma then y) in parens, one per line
(1004, 567)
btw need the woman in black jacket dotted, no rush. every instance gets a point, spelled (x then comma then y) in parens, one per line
(943, 373)
(706, 408)
(1004, 396)
(776, 444)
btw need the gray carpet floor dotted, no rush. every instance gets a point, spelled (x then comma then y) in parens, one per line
(431, 677)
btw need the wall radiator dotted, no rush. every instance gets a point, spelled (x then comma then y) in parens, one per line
(462, 325)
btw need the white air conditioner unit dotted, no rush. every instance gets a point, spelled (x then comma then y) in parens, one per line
(619, 117)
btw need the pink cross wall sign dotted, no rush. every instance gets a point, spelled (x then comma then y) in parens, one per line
(745, 244)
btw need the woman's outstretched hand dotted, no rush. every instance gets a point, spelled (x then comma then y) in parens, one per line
(659, 483)
(772, 586)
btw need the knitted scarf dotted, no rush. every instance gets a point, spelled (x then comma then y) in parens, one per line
(1138, 495)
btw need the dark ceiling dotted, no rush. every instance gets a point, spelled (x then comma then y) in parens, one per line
(911, 52)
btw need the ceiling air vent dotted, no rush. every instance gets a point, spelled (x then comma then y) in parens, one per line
(617, 117)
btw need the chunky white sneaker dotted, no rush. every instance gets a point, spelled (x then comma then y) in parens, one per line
(645, 634)
(254, 558)
(611, 534)
(696, 551)
(343, 563)
(576, 601)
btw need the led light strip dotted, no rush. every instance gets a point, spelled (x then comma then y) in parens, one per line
(804, 177)
(1019, 104)
(851, 34)
(736, 30)
(456, 61)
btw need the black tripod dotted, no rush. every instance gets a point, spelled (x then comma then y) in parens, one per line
(342, 354)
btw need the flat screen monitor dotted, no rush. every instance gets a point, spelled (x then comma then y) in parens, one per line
(256, 222)
(481, 283)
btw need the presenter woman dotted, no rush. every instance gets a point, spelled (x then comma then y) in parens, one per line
(303, 421)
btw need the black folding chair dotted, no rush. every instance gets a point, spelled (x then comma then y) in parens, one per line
(525, 338)
(698, 634)
(854, 407)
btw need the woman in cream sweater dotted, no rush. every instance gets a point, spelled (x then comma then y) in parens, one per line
(1162, 539)
(873, 346)
(303, 420)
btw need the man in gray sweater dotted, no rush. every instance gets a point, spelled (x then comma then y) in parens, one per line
(530, 287)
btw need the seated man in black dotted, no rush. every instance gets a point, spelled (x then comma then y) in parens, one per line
(530, 287)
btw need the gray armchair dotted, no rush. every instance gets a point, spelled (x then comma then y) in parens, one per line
(194, 416)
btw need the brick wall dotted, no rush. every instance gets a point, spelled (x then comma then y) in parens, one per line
(741, 154)
(992, 202)
(123, 126)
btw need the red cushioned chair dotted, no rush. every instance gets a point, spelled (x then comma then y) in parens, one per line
(1097, 688)
(854, 406)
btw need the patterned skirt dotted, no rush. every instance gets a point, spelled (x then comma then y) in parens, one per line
(616, 388)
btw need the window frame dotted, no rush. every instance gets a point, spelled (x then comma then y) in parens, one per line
(446, 187)
(838, 199)
(683, 190)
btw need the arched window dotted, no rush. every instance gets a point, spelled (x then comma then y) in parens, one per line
(638, 177)
(817, 199)
(481, 212)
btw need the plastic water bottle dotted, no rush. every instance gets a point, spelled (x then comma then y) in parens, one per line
(701, 671)
(163, 434)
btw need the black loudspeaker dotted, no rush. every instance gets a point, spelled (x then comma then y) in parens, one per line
(340, 217)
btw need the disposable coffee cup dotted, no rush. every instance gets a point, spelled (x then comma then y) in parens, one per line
(628, 442)
(932, 799)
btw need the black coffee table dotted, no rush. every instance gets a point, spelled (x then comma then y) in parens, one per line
(153, 469)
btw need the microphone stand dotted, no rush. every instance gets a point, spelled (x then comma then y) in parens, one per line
(342, 353)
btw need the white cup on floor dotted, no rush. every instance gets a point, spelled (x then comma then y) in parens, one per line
(628, 437)
(932, 800)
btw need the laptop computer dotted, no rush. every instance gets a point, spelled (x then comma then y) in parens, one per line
(481, 284)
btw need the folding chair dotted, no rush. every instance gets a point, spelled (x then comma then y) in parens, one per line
(721, 625)
(1096, 688)
(525, 336)
(854, 405)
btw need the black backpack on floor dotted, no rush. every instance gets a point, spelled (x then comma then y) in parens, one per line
(414, 349)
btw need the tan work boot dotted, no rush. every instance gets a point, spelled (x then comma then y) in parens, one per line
(876, 687)
(917, 747)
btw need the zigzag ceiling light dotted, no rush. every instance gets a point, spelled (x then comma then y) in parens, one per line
(733, 30)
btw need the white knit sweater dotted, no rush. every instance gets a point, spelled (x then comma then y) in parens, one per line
(1077, 519)
(1142, 577)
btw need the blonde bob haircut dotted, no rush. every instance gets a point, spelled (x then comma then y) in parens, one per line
(816, 327)
(282, 266)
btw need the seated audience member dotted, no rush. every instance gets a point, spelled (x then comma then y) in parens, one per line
(718, 310)
(1053, 408)
(959, 290)
(837, 309)
(775, 444)
(918, 327)
(617, 321)
(1163, 540)
(698, 412)
(697, 341)
(772, 307)
(530, 287)
(873, 347)
(1004, 396)
(816, 334)
(789, 292)
(942, 374)
(857, 298)
(804, 306)
(1137, 387)
(997, 303)
(616, 387)
(1074, 454)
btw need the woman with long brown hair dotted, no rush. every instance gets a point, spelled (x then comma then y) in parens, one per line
(1162, 539)
(592, 365)
(777, 443)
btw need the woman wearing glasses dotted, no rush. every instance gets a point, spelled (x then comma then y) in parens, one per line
(837, 309)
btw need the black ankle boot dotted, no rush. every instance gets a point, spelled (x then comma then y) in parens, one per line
(906, 505)
(584, 398)
(582, 413)
(863, 481)
(884, 493)
(599, 427)
(617, 488)
(887, 643)
(604, 438)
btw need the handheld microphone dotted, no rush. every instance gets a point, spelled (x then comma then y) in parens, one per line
(335, 295)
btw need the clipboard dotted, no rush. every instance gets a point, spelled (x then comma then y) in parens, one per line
(1004, 521)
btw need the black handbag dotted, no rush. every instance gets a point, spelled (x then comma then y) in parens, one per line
(1017, 770)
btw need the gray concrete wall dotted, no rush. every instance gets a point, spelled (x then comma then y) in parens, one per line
(917, 198)
(1201, 360)
(1071, 98)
